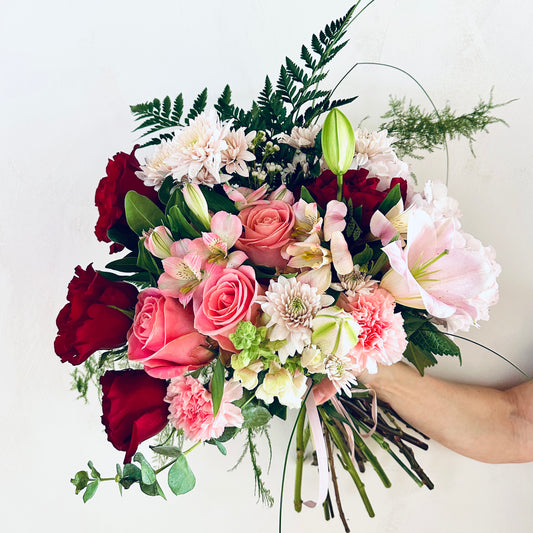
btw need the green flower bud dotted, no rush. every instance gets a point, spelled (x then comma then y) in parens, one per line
(196, 202)
(334, 331)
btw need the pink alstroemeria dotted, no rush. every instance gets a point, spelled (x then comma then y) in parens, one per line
(244, 197)
(308, 220)
(282, 194)
(394, 223)
(430, 273)
(183, 272)
(213, 247)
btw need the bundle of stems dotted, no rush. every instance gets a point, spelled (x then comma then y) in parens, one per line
(346, 437)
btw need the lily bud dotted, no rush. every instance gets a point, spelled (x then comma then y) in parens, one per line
(338, 142)
(335, 331)
(195, 201)
(158, 241)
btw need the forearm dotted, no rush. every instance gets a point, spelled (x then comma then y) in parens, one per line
(482, 423)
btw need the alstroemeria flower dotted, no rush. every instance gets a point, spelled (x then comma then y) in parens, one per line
(430, 273)
(244, 197)
(308, 220)
(394, 223)
(213, 246)
(183, 272)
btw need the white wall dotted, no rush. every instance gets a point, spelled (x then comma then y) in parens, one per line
(69, 70)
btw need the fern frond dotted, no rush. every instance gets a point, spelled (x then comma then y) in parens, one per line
(198, 106)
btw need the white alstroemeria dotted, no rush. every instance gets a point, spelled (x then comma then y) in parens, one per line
(392, 224)
(291, 306)
(335, 331)
(313, 359)
(280, 383)
(196, 202)
(158, 241)
(248, 374)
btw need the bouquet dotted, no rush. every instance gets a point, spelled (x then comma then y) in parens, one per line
(269, 256)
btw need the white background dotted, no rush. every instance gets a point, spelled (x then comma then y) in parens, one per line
(69, 70)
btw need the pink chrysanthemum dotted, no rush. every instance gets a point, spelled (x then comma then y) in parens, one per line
(191, 408)
(235, 156)
(382, 337)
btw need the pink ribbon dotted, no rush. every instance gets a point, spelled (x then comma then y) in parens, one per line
(320, 446)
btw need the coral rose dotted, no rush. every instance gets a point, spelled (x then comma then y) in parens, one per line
(227, 300)
(111, 191)
(92, 319)
(133, 408)
(163, 337)
(267, 230)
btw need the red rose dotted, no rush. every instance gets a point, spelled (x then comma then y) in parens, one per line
(90, 322)
(110, 193)
(133, 408)
(356, 187)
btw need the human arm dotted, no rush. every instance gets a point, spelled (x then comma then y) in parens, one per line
(486, 424)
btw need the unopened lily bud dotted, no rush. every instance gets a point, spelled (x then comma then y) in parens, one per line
(338, 142)
(158, 241)
(335, 331)
(196, 202)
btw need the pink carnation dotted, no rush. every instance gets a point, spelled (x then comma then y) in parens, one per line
(382, 338)
(191, 408)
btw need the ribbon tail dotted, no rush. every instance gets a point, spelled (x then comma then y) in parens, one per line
(321, 454)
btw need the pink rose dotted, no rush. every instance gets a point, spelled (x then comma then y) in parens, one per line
(163, 337)
(228, 298)
(267, 231)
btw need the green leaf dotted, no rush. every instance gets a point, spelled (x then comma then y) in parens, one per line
(179, 224)
(180, 477)
(392, 198)
(219, 445)
(219, 202)
(132, 474)
(228, 434)
(146, 260)
(94, 472)
(90, 491)
(217, 386)
(123, 235)
(148, 476)
(255, 416)
(362, 258)
(164, 191)
(277, 409)
(80, 480)
(167, 451)
(141, 213)
(419, 357)
(152, 489)
(126, 264)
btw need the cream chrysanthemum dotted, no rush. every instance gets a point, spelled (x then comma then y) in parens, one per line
(156, 169)
(371, 144)
(197, 150)
(292, 305)
(339, 370)
(301, 137)
(235, 156)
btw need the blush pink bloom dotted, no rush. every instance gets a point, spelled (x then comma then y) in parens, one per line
(228, 298)
(267, 231)
(440, 270)
(191, 408)
(382, 338)
(163, 337)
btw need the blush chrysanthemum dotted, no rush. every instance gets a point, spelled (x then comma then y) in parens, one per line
(292, 305)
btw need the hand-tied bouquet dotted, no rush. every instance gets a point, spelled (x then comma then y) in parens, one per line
(270, 260)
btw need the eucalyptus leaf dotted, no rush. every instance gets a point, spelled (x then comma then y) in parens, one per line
(180, 477)
(141, 213)
(255, 416)
(94, 472)
(90, 491)
(148, 476)
(80, 480)
(167, 451)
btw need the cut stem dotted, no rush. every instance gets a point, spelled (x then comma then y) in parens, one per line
(300, 452)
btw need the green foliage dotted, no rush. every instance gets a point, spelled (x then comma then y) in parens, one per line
(180, 477)
(217, 385)
(141, 213)
(262, 492)
(156, 116)
(255, 416)
(425, 341)
(417, 129)
(87, 481)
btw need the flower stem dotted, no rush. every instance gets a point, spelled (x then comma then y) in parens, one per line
(300, 451)
(339, 187)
